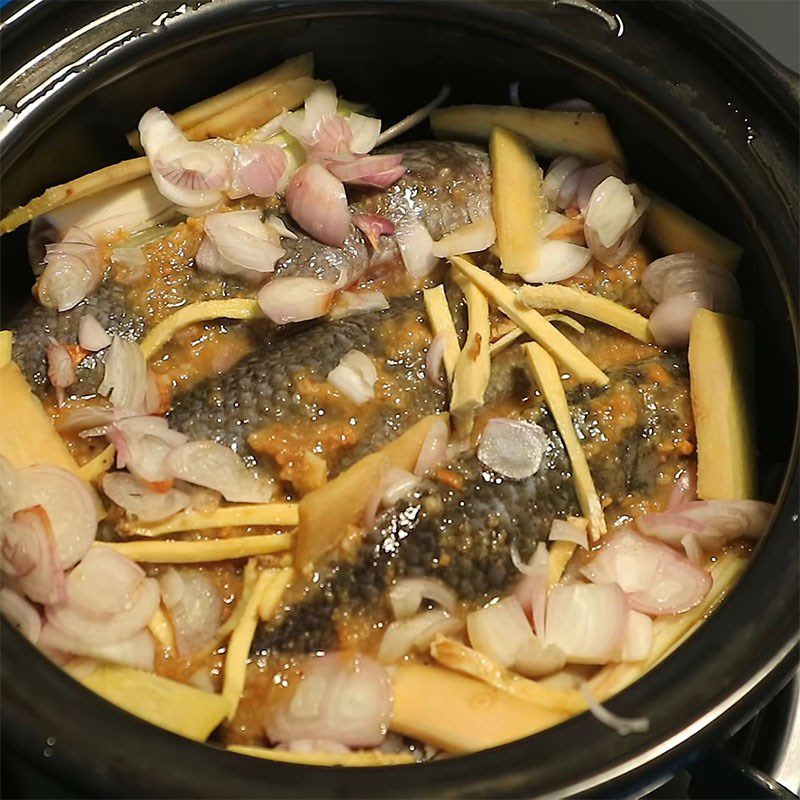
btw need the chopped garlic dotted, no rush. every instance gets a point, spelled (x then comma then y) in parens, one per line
(545, 372)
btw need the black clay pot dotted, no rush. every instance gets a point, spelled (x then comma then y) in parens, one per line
(705, 118)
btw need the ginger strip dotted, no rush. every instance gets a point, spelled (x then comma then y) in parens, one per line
(558, 555)
(474, 664)
(579, 301)
(509, 338)
(161, 628)
(6, 342)
(273, 592)
(459, 714)
(99, 465)
(298, 67)
(171, 705)
(471, 376)
(205, 310)
(358, 758)
(85, 186)
(441, 321)
(533, 323)
(585, 134)
(274, 514)
(198, 552)
(545, 373)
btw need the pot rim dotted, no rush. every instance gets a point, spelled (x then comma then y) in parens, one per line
(654, 750)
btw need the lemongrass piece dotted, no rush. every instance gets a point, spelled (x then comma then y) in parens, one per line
(471, 375)
(205, 310)
(545, 373)
(198, 552)
(498, 345)
(357, 758)
(161, 628)
(253, 111)
(586, 135)
(441, 321)
(273, 514)
(273, 591)
(518, 205)
(672, 230)
(85, 186)
(99, 465)
(474, 664)
(6, 342)
(461, 715)
(579, 301)
(298, 67)
(171, 705)
(558, 555)
(27, 435)
(669, 632)
(533, 323)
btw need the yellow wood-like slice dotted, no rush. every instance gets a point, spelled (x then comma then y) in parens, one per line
(441, 321)
(161, 628)
(670, 632)
(721, 372)
(27, 435)
(198, 552)
(175, 706)
(545, 373)
(205, 310)
(518, 206)
(672, 230)
(558, 557)
(273, 592)
(253, 111)
(235, 671)
(298, 67)
(99, 465)
(471, 376)
(463, 659)
(459, 714)
(85, 186)
(357, 758)
(533, 323)
(584, 134)
(277, 514)
(579, 301)
(328, 513)
(6, 341)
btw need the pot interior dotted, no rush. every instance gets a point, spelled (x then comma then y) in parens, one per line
(396, 57)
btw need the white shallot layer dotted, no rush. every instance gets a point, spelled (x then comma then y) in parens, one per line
(140, 502)
(416, 247)
(340, 698)
(194, 606)
(125, 377)
(285, 300)
(415, 633)
(73, 270)
(91, 334)
(355, 376)
(613, 219)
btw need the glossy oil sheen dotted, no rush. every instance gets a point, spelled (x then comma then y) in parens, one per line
(704, 118)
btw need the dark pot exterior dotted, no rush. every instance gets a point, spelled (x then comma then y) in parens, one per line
(705, 117)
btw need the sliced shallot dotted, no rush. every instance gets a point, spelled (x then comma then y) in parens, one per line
(471, 238)
(656, 578)
(512, 447)
(558, 261)
(125, 377)
(378, 171)
(256, 169)
(136, 651)
(318, 204)
(586, 621)
(70, 508)
(348, 303)
(406, 596)
(60, 369)
(142, 444)
(373, 226)
(671, 320)
(195, 614)
(433, 452)
(613, 219)
(337, 697)
(415, 633)
(397, 483)
(416, 247)
(210, 464)
(91, 334)
(563, 531)
(435, 358)
(140, 502)
(499, 630)
(21, 614)
(637, 639)
(73, 270)
(285, 300)
(531, 591)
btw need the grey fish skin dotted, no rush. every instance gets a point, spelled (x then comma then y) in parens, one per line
(464, 537)
(447, 185)
(262, 387)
